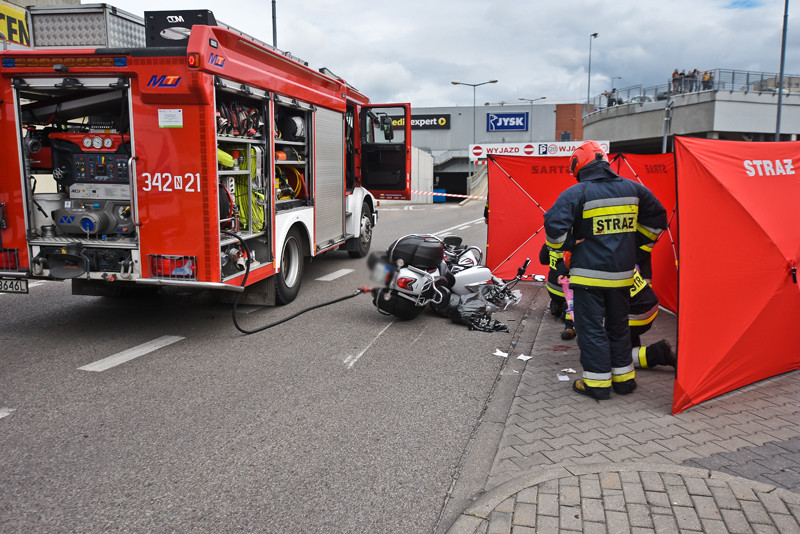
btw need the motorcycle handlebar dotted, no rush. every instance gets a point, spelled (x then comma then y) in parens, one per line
(521, 270)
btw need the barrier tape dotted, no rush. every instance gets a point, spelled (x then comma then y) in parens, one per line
(447, 195)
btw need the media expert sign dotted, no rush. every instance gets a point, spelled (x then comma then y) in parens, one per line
(507, 122)
(424, 122)
(479, 152)
(13, 25)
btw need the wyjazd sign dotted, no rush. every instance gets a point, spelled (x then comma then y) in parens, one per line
(507, 122)
(480, 152)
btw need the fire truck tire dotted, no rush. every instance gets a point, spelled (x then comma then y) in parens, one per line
(363, 241)
(287, 281)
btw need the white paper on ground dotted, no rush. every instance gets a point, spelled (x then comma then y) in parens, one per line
(564, 377)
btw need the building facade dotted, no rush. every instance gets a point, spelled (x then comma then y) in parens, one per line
(448, 132)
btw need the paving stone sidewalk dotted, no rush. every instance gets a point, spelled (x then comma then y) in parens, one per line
(567, 463)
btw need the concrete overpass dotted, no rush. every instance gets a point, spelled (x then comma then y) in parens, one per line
(716, 114)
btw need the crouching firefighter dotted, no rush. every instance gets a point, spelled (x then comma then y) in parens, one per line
(597, 220)
(644, 309)
(558, 303)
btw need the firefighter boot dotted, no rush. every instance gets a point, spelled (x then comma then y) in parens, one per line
(623, 388)
(569, 330)
(660, 353)
(557, 309)
(623, 383)
(597, 394)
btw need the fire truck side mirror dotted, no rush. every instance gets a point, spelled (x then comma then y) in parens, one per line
(386, 126)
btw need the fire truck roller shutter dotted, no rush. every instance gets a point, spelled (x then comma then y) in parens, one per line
(327, 185)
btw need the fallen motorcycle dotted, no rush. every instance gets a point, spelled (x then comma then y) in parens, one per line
(420, 270)
(408, 273)
(469, 276)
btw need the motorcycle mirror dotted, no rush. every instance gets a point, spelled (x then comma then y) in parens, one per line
(521, 270)
(452, 241)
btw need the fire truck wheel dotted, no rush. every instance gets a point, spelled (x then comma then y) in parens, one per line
(287, 282)
(365, 239)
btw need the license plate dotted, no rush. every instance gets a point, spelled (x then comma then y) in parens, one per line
(15, 285)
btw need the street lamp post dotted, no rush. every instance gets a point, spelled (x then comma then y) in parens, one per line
(612, 81)
(780, 78)
(589, 84)
(474, 110)
(274, 26)
(530, 117)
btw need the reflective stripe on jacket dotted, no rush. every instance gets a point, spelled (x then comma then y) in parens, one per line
(608, 212)
(555, 260)
(644, 302)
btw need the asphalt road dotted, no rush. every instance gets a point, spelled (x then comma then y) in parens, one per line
(341, 420)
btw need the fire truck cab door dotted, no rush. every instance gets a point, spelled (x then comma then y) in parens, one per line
(386, 150)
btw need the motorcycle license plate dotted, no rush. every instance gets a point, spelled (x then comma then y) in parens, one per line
(381, 273)
(13, 285)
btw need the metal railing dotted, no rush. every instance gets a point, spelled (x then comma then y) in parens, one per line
(717, 80)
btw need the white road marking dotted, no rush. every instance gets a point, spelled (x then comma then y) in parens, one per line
(5, 411)
(418, 336)
(351, 360)
(245, 309)
(130, 354)
(334, 275)
(461, 226)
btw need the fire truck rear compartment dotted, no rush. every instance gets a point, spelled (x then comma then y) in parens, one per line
(76, 151)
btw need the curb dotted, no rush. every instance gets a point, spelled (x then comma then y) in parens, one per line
(476, 463)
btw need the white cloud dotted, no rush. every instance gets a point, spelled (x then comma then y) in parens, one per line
(412, 50)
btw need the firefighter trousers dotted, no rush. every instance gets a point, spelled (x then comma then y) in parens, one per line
(601, 319)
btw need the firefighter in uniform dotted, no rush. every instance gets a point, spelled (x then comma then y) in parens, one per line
(558, 304)
(597, 220)
(644, 309)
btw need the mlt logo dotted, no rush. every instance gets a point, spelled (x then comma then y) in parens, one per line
(217, 61)
(164, 81)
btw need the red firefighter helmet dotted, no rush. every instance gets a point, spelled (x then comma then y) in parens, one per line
(586, 153)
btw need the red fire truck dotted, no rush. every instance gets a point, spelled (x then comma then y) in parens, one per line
(202, 155)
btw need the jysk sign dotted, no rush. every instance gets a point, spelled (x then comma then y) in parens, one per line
(507, 122)
(425, 122)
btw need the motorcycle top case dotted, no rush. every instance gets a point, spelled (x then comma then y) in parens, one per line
(420, 251)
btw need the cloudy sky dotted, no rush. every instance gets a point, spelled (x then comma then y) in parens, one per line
(410, 51)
